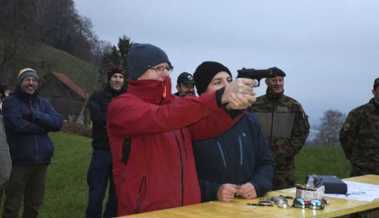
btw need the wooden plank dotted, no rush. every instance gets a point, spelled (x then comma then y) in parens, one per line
(239, 208)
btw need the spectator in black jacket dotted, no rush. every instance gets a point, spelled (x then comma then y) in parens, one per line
(99, 175)
(237, 163)
(28, 118)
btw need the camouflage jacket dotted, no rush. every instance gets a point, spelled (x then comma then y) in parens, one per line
(359, 137)
(284, 125)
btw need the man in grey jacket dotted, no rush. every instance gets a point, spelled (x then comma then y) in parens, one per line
(5, 158)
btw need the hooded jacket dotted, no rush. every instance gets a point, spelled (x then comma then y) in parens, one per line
(97, 105)
(156, 129)
(238, 156)
(27, 121)
(5, 158)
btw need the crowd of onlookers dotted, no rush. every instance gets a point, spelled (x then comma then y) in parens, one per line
(153, 149)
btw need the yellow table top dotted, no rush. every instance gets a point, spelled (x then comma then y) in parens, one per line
(238, 207)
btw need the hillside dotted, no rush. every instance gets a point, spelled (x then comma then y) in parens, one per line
(47, 59)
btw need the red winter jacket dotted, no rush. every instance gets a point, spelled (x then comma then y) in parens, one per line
(160, 170)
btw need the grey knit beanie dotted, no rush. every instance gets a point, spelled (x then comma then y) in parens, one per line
(26, 72)
(142, 56)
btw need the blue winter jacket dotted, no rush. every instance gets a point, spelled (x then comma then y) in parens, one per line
(238, 156)
(27, 121)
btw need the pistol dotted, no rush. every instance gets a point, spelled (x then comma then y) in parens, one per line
(257, 74)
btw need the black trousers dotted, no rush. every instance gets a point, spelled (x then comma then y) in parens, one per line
(100, 179)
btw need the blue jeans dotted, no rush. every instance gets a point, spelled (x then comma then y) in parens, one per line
(99, 177)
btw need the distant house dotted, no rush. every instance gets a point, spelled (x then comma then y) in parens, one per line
(67, 97)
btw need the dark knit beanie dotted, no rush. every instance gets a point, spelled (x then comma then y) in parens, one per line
(205, 72)
(26, 72)
(277, 72)
(113, 71)
(141, 57)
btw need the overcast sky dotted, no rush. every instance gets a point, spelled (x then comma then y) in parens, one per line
(329, 49)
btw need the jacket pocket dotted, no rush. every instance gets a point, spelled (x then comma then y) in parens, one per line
(141, 194)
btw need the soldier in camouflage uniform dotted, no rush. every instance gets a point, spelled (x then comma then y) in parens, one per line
(359, 136)
(284, 125)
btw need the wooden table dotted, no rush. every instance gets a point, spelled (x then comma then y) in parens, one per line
(238, 208)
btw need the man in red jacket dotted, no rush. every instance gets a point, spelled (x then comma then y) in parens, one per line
(151, 132)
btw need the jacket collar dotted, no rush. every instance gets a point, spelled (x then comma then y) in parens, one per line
(24, 96)
(113, 92)
(374, 103)
(153, 91)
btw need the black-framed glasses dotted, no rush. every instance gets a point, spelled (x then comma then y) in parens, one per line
(162, 68)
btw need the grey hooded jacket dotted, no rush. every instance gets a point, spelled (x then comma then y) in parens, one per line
(5, 158)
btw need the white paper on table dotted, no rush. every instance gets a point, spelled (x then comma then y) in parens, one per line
(358, 191)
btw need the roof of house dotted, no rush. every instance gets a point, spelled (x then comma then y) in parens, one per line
(70, 84)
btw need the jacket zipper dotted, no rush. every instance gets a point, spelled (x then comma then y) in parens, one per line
(221, 153)
(272, 122)
(241, 148)
(34, 136)
(181, 170)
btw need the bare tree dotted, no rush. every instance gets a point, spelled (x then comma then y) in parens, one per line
(331, 123)
(16, 31)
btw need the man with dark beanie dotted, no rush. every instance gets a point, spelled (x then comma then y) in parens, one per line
(284, 125)
(99, 176)
(238, 162)
(28, 118)
(151, 132)
(359, 136)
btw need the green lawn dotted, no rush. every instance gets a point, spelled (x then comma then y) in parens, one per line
(66, 193)
(322, 160)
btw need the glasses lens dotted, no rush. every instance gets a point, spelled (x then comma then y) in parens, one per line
(316, 205)
(298, 203)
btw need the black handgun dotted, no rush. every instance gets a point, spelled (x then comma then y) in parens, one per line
(256, 74)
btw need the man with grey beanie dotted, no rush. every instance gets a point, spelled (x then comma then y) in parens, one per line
(151, 131)
(28, 118)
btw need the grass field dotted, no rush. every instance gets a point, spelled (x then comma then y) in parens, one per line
(322, 160)
(66, 193)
